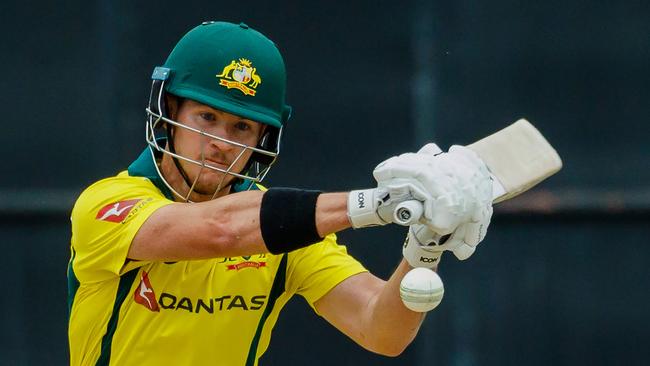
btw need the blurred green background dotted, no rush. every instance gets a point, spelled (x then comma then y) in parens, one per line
(561, 278)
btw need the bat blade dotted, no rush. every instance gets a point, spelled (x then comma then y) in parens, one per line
(518, 157)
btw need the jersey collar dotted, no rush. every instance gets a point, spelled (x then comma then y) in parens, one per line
(145, 166)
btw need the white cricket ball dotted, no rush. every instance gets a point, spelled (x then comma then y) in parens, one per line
(421, 290)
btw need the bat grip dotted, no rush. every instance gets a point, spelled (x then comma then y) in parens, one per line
(408, 213)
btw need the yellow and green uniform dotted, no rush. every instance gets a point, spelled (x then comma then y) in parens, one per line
(205, 312)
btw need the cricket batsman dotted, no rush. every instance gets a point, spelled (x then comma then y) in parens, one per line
(185, 258)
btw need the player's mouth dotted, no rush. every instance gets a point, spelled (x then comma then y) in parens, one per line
(216, 164)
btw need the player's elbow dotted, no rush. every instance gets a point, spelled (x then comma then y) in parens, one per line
(391, 350)
(390, 347)
(392, 353)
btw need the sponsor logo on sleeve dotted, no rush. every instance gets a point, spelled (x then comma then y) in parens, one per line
(117, 211)
(120, 212)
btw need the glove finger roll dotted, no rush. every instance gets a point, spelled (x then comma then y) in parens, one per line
(430, 148)
(464, 251)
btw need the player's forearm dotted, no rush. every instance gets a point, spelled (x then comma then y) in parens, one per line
(244, 233)
(226, 227)
(332, 213)
(391, 325)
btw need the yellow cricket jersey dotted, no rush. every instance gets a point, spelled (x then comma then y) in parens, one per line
(206, 312)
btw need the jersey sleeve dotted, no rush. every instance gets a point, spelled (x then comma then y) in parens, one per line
(105, 219)
(315, 270)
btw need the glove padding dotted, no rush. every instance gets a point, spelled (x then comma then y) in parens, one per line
(466, 237)
(424, 247)
(457, 183)
(416, 249)
(372, 207)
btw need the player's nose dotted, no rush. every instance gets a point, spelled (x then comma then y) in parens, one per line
(217, 137)
(223, 144)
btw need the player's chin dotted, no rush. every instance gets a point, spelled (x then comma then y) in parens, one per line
(210, 183)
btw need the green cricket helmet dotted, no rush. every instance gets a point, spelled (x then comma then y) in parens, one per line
(230, 67)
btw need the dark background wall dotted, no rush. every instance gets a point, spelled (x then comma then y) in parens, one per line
(562, 276)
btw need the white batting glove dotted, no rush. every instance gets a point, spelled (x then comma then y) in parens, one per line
(424, 247)
(458, 182)
(373, 207)
(466, 237)
(419, 250)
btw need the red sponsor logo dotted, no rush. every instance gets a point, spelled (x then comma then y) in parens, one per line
(248, 264)
(144, 294)
(117, 211)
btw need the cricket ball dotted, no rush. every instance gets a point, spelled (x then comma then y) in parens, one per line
(421, 290)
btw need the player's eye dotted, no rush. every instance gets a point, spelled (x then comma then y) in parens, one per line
(208, 116)
(242, 126)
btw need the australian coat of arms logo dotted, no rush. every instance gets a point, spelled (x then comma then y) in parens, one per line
(240, 75)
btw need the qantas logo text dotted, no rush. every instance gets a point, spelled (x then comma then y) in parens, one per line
(169, 301)
(145, 296)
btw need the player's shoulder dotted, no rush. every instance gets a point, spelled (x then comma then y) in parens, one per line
(115, 189)
(123, 178)
(121, 184)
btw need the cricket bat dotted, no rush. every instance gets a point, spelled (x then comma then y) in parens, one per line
(518, 158)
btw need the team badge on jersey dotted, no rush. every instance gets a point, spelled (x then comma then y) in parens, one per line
(248, 262)
(144, 294)
(240, 75)
(117, 211)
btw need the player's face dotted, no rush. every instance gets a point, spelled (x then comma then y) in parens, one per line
(213, 152)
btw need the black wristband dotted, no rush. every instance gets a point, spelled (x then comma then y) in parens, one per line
(288, 219)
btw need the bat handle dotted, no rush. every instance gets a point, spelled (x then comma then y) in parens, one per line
(408, 213)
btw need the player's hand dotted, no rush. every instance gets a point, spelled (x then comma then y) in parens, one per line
(372, 207)
(419, 248)
(456, 182)
(423, 247)
(466, 237)
(400, 178)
